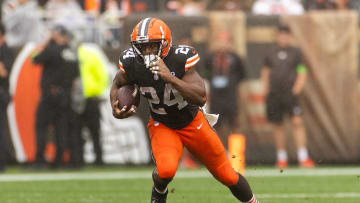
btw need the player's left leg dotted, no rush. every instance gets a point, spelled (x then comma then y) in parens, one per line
(300, 140)
(201, 140)
(299, 133)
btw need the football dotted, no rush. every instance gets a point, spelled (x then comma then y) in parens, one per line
(128, 95)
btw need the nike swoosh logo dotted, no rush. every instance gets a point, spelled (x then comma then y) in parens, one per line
(199, 126)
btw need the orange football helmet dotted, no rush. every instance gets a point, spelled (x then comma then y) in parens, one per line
(151, 30)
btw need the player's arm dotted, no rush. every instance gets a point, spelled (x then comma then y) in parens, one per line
(119, 81)
(47, 53)
(300, 79)
(301, 76)
(191, 85)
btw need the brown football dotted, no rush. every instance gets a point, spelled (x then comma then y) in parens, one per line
(128, 95)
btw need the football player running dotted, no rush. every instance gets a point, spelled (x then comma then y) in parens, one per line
(166, 77)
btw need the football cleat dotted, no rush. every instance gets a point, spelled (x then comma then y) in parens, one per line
(282, 164)
(308, 163)
(157, 197)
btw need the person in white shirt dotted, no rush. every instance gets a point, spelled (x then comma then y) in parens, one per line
(277, 7)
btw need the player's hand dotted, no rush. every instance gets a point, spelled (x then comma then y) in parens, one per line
(3, 71)
(159, 67)
(122, 113)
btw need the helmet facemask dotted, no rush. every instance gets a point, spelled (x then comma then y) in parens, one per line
(154, 45)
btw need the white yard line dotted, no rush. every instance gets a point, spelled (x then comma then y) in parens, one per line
(180, 174)
(308, 195)
(304, 172)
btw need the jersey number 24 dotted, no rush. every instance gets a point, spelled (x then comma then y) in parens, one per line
(167, 100)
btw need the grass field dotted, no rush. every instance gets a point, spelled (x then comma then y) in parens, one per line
(133, 185)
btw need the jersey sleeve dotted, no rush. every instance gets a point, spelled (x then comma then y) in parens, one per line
(192, 57)
(126, 60)
(121, 66)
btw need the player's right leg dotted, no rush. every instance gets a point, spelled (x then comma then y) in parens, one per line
(167, 150)
(201, 140)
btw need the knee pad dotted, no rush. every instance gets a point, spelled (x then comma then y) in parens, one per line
(166, 167)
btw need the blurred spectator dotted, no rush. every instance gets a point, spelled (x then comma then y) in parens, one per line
(283, 76)
(94, 7)
(69, 14)
(94, 79)
(65, 12)
(228, 5)
(112, 24)
(6, 60)
(332, 4)
(60, 68)
(22, 19)
(139, 6)
(226, 70)
(112, 12)
(354, 4)
(277, 7)
(191, 8)
(319, 4)
(186, 7)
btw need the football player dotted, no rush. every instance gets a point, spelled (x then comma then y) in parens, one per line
(166, 77)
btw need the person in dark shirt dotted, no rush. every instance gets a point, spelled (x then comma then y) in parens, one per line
(283, 76)
(6, 60)
(60, 68)
(226, 70)
(331, 4)
(166, 76)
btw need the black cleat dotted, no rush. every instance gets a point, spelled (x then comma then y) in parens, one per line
(157, 197)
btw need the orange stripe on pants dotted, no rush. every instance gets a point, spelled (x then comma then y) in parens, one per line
(200, 139)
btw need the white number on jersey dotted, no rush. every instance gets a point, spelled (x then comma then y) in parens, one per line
(177, 100)
(154, 99)
(182, 50)
(128, 53)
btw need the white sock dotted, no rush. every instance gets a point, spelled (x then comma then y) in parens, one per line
(282, 155)
(161, 192)
(253, 200)
(302, 154)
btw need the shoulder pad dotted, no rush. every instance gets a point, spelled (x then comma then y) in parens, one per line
(188, 54)
(125, 59)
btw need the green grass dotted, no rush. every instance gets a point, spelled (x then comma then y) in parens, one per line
(270, 186)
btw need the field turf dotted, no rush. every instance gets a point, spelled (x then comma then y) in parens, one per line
(133, 185)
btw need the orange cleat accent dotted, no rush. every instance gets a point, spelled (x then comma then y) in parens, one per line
(308, 163)
(282, 164)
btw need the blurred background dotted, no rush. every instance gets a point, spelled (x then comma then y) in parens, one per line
(326, 32)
